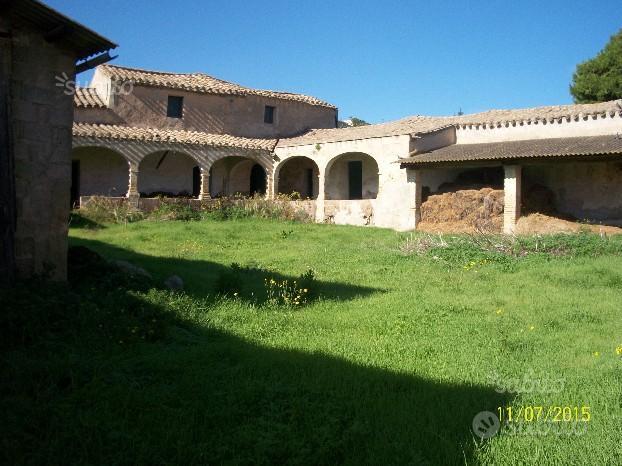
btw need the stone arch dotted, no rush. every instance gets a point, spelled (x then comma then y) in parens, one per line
(351, 175)
(169, 172)
(297, 174)
(237, 174)
(98, 171)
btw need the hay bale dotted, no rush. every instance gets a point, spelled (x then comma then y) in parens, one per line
(463, 210)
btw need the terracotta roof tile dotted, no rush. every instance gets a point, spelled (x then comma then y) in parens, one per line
(170, 136)
(87, 97)
(415, 125)
(555, 147)
(199, 82)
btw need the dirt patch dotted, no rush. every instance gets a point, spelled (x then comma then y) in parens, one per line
(545, 224)
(463, 210)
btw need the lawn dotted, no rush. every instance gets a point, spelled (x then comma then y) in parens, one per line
(388, 362)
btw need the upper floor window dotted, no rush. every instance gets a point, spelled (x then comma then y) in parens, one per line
(175, 108)
(268, 114)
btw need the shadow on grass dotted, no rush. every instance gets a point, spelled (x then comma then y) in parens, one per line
(104, 371)
(201, 396)
(205, 279)
(81, 222)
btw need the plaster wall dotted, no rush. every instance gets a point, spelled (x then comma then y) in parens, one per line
(102, 172)
(393, 206)
(174, 175)
(591, 126)
(293, 177)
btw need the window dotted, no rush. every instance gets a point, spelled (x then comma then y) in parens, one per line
(355, 179)
(268, 114)
(175, 107)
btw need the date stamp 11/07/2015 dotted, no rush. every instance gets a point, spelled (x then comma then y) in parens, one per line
(536, 420)
(551, 413)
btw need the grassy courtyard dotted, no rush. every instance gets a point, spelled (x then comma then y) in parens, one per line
(386, 358)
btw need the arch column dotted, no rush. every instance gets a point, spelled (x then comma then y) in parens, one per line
(132, 192)
(319, 201)
(204, 191)
(413, 178)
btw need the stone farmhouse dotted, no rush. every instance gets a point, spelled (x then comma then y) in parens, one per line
(141, 133)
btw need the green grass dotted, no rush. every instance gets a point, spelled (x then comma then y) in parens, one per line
(387, 365)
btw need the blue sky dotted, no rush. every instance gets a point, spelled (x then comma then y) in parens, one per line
(376, 60)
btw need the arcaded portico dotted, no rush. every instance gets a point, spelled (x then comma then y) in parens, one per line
(214, 139)
(160, 162)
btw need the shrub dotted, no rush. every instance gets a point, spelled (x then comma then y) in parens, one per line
(237, 207)
(100, 209)
(292, 293)
(107, 210)
(174, 209)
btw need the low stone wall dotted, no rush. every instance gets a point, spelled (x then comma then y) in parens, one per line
(350, 212)
(308, 206)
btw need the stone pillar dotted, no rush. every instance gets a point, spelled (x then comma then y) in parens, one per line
(273, 188)
(319, 201)
(204, 191)
(512, 197)
(269, 183)
(414, 180)
(132, 193)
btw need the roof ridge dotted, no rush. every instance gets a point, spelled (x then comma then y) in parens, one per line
(175, 136)
(175, 130)
(202, 82)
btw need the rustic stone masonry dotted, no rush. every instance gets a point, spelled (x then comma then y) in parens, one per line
(40, 48)
(41, 130)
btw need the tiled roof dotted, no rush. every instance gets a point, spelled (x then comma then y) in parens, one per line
(424, 124)
(87, 97)
(199, 82)
(170, 136)
(555, 147)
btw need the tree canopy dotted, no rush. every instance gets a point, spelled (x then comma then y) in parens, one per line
(600, 79)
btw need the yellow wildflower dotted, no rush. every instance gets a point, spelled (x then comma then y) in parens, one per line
(619, 350)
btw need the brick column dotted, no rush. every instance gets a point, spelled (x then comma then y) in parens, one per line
(512, 197)
(204, 192)
(413, 178)
(132, 192)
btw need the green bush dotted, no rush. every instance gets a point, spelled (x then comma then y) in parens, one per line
(174, 209)
(237, 207)
(100, 209)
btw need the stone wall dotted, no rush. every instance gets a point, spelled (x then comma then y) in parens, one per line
(584, 190)
(237, 115)
(41, 120)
